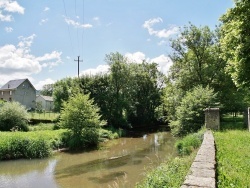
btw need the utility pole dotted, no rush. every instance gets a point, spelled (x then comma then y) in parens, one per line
(78, 60)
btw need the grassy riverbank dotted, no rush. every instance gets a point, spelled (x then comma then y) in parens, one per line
(171, 173)
(35, 144)
(40, 141)
(233, 153)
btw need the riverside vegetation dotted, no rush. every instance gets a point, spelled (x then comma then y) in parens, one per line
(172, 172)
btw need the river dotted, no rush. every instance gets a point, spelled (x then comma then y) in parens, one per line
(118, 163)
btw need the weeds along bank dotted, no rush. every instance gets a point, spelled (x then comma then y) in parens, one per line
(40, 142)
(35, 144)
(172, 172)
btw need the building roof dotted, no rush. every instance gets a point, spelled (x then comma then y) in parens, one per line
(47, 98)
(13, 84)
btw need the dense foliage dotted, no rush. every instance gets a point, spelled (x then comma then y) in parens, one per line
(235, 42)
(80, 116)
(189, 114)
(13, 116)
(127, 96)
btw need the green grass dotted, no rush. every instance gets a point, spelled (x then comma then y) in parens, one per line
(44, 115)
(229, 122)
(42, 127)
(36, 144)
(169, 174)
(233, 153)
(233, 158)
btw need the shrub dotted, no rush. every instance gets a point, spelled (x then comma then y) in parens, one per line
(189, 116)
(189, 143)
(39, 144)
(169, 174)
(80, 116)
(13, 116)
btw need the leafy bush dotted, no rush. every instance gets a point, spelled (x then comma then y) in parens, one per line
(13, 116)
(189, 116)
(80, 116)
(189, 143)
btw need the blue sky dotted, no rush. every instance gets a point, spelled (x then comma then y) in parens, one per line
(40, 40)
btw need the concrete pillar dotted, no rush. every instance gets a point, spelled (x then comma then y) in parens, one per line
(212, 118)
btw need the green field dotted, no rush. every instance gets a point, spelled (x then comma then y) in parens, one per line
(44, 115)
(233, 153)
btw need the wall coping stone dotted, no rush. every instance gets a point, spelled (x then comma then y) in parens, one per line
(202, 171)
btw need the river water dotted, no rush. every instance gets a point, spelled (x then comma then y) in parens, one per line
(118, 163)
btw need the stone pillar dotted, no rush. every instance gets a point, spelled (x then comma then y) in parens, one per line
(248, 117)
(212, 118)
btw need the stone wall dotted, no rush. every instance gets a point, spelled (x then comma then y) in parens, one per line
(202, 171)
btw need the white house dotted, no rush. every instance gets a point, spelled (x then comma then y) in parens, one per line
(46, 102)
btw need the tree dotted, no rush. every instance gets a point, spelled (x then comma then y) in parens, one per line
(190, 113)
(235, 42)
(13, 116)
(196, 58)
(81, 117)
(119, 77)
(197, 61)
(63, 89)
(47, 90)
(99, 89)
(144, 93)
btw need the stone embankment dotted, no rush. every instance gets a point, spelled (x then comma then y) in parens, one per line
(202, 171)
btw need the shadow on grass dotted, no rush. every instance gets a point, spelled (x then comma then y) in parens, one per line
(229, 122)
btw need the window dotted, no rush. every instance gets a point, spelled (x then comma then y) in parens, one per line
(10, 92)
(2, 93)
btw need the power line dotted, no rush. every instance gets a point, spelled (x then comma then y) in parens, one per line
(82, 22)
(72, 47)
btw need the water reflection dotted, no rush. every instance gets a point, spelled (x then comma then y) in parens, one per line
(27, 173)
(119, 162)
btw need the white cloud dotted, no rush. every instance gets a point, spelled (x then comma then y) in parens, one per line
(7, 7)
(8, 29)
(163, 33)
(101, 69)
(96, 18)
(136, 57)
(43, 21)
(164, 63)
(46, 9)
(40, 84)
(17, 62)
(76, 24)
(50, 59)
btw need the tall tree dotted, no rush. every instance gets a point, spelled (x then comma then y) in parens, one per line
(47, 90)
(235, 42)
(119, 74)
(63, 89)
